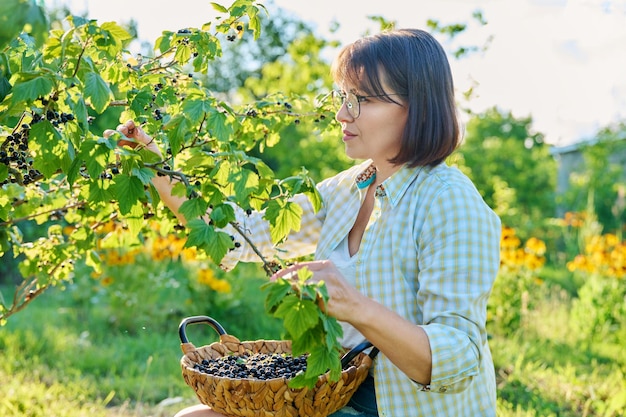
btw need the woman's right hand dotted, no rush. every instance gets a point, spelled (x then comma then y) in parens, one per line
(135, 136)
(139, 138)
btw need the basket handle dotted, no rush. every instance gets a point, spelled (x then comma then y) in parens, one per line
(198, 319)
(346, 358)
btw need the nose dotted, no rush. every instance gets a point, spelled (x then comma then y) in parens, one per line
(343, 115)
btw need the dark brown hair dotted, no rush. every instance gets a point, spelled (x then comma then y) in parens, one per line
(413, 65)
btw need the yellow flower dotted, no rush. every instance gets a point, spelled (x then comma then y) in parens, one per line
(206, 276)
(574, 219)
(534, 262)
(106, 281)
(536, 246)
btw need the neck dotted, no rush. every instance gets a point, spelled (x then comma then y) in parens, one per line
(384, 171)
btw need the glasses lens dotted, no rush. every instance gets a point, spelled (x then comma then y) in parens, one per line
(352, 103)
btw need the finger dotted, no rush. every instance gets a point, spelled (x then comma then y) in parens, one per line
(122, 142)
(108, 132)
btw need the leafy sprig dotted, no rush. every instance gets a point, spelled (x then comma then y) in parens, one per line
(301, 305)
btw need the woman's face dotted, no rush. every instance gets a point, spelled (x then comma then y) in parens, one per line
(377, 131)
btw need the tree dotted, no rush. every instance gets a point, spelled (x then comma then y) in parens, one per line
(59, 173)
(600, 184)
(511, 167)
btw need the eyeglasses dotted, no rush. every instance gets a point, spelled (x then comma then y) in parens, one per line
(353, 101)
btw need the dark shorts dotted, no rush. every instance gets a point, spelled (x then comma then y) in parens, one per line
(362, 403)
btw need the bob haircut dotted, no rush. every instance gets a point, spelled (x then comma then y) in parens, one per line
(413, 65)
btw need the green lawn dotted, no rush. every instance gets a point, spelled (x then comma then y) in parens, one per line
(57, 359)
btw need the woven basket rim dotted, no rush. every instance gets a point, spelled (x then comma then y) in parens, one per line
(210, 389)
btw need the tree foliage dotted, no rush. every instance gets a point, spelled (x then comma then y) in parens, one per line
(60, 173)
(511, 167)
(600, 184)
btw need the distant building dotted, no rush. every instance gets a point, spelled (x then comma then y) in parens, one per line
(570, 159)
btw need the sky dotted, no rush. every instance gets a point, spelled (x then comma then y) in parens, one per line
(561, 62)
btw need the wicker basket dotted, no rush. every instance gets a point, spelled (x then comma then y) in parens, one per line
(267, 398)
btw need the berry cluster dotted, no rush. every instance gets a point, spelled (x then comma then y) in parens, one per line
(14, 151)
(14, 154)
(262, 366)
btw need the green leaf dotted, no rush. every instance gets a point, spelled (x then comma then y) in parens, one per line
(194, 207)
(32, 89)
(98, 91)
(48, 144)
(215, 244)
(255, 26)
(298, 315)
(246, 182)
(222, 215)
(219, 7)
(177, 129)
(315, 198)
(217, 122)
(183, 53)
(322, 359)
(144, 174)
(98, 193)
(276, 292)
(128, 190)
(283, 217)
(115, 30)
(195, 109)
(5, 87)
(332, 328)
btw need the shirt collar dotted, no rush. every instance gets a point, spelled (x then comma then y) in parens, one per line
(393, 187)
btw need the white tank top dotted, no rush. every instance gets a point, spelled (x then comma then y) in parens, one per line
(345, 263)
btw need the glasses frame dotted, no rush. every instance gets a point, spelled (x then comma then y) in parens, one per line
(353, 101)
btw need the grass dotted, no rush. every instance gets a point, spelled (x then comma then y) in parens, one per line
(59, 359)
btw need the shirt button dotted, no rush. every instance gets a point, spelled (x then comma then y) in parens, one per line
(443, 389)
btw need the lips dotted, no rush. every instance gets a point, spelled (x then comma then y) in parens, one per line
(347, 135)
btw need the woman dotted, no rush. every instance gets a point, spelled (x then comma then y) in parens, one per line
(407, 247)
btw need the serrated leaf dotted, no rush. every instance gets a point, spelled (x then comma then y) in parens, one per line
(98, 91)
(218, 125)
(128, 191)
(283, 217)
(321, 359)
(219, 7)
(215, 244)
(32, 89)
(177, 129)
(332, 328)
(50, 144)
(141, 100)
(144, 174)
(5, 87)
(195, 109)
(255, 26)
(298, 315)
(276, 292)
(306, 342)
(194, 207)
(245, 182)
(315, 198)
(222, 215)
(183, 53)
(118, 32)
(98, 194)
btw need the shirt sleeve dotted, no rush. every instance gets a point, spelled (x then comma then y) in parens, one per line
(459, 257)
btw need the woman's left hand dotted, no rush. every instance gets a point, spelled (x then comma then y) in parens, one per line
(343, 297)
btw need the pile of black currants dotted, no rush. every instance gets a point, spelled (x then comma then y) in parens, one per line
(262, 366)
